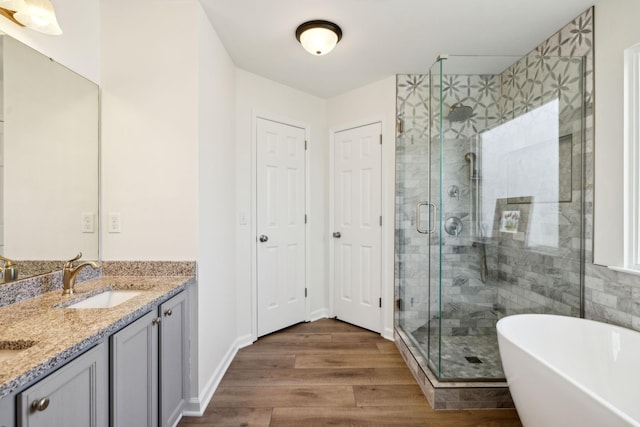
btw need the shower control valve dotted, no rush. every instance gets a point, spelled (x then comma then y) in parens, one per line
(453, 226)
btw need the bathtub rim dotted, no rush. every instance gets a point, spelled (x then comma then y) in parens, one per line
(577, 384)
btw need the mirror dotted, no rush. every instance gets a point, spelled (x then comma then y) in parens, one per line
(49, 137)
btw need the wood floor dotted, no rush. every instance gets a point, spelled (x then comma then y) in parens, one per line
(328, 373)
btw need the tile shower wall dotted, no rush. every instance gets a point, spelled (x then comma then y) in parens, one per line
(527, 280)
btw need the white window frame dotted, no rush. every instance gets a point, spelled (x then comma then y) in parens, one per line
(632, 157)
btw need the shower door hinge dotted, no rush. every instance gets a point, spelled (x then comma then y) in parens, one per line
(305, 292)
(305, 218)
(400, 126)
(305, 144)
(380, 220)
(380, 302)
(380, 139)
(399, 303)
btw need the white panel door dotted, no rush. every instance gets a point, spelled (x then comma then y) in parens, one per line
(280, 225)
(357, 225)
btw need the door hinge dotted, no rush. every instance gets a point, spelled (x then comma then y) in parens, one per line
(305, 218)
(305, 144)
(380, 220)
(305, 292)
(399, 304)
(380, 139)
(380, 302)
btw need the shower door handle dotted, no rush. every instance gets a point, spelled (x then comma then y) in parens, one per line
(432, 218)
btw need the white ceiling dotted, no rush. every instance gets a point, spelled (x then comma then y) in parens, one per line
(380, 37)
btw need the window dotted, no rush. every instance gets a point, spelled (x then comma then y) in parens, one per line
(632, 157)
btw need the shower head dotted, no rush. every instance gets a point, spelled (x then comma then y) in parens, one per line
(460, 113)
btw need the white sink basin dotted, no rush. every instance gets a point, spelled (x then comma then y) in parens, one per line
(105, 299)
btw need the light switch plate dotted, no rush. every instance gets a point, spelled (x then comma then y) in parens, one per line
(87, 224)
(244, 217)
(113, 222)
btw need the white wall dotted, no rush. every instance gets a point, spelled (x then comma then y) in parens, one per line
(368, 104)
(217, 330)
(150, 129)
(78, 48)
(616, 28)
(168, 158)
(257, 94)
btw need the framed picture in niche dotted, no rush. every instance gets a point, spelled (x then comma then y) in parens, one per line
(509, 221)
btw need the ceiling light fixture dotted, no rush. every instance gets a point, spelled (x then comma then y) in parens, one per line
(37, 15)
(318, 37)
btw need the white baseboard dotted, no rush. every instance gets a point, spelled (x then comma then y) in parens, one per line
(323, 313)
(196, 406)
(244, 341)
(387, 333)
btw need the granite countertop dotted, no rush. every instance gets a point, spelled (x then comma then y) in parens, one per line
(53, 336)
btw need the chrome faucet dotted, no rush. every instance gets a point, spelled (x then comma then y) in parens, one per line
(70, 272)
(9, 271)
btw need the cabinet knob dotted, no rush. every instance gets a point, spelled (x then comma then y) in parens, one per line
(168, 312)
(156, 321)
(40, 405)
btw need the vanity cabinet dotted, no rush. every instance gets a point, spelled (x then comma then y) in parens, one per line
(174, 358)
(76, 395)
(149, 367)
(7, 411)
(134, 374)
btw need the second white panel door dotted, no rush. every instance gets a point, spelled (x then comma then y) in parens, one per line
(357, 225)
(280, 225)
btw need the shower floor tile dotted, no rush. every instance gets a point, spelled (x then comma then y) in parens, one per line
(460, 354)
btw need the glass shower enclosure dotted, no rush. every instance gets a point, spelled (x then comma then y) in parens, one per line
(489, 203)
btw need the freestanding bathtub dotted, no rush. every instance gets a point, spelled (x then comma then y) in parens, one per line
(565, 371)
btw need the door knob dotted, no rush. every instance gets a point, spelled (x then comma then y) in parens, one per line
(337, 234)
(263, 238)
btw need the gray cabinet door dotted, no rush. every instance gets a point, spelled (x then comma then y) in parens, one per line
(76, 395)
(134, 374)
(174, 358)
(8, 411)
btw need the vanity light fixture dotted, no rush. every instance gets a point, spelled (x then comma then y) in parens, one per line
(318, 37)
(8, 9)
(37, 15)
